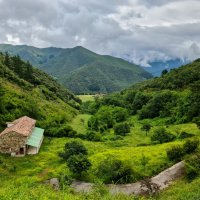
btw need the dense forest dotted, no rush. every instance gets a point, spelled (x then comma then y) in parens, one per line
(25, 90)
(173, 96)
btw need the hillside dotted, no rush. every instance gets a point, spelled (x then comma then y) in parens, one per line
(173, 96)
(81, 70)
(110, 128)
(28, 91)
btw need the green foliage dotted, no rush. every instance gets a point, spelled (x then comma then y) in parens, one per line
(174, 95)
(119, 114)
(197, 122)
(75, 154)
(184, 135)
(60, 131)
(165, 71)
(106, 117)
(65, 180)
(161, 135)
(175, 153)
(115, 171)
(158, 106)
(144, 160)
(122, 129)
(193, 166)
(78, 164)
(191, 145)
(93, 136)
(28, 91)
(93, 123)
(146, 127)
(73, 148)
(139, 101)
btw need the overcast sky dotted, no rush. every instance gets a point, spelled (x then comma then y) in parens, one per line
(138, 30)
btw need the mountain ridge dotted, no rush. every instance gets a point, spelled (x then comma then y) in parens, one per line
(67, 66)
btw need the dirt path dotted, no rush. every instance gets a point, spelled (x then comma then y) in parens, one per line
(156, 183)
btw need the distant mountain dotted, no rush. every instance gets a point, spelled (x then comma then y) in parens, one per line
(81, 70)
(158, 66)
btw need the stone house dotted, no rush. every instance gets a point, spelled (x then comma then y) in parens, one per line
(21, 137)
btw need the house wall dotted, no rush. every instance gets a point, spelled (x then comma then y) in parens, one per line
(32, 150)
(11, 142)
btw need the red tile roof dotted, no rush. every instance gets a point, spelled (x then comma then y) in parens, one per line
(23, 126)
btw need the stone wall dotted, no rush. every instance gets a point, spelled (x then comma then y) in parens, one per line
(11, 142)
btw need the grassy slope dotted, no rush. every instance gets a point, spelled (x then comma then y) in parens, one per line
(85, 98)
(47, 101)
(106, 73)
(31, 171)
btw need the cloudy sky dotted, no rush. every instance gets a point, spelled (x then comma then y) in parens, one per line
(138, 30)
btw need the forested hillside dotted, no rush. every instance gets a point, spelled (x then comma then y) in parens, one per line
(81, 70)
(25, 90)
(174, 96)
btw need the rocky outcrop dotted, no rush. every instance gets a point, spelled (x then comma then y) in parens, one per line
(54, 182)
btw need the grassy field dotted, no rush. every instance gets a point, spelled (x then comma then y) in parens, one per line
(85, 98)
(23, 178)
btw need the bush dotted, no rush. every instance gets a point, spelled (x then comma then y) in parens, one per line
(78, 164)
(61, 131)
(119, 114)
(159, 105)
(65, 180)
(115, 171)
(93, 136)
(191, 145)
(122, 129)
(175, 153)
(162, 136)
(193, 166)
(73, 148)
(93, 123)
(184, 135)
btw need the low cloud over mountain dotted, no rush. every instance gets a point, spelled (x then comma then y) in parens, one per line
(141, 31)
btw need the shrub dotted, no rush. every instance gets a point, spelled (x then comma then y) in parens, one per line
(122, 129)
(73, 148)
(175, 153)
(93, 136)
(78, 164)
(159, 105)
(93, 123)
(184, 135)
(191, 145)
(61, 131)
(193, 166)
(115, 171)
(119, 114)
(65, 180)
(162, 136)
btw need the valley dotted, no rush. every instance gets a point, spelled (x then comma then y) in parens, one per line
(127, 136)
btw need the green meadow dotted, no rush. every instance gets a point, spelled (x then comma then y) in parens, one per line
(85, 98)
(23, 178)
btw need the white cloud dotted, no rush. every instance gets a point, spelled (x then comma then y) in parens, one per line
(138, 30)
(12, 39)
